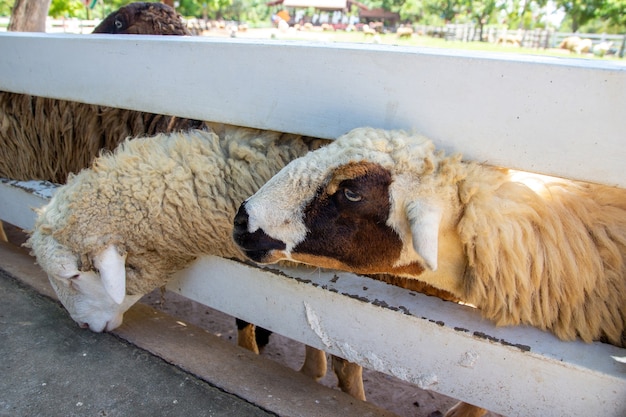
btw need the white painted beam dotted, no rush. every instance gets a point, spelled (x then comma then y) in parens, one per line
(437, 345)
(19, 199)
(525, 112)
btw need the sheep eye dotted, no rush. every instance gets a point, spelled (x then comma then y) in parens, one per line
(351, 195)
(72, 282)
(118, 24)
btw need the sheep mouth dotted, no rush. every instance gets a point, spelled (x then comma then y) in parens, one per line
(257, 246)
(258, 256)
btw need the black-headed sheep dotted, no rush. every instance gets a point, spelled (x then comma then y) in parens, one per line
(143, 18)
(47, 139)
(379, 201)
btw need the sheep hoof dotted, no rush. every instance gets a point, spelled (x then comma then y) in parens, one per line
(462, 409)
(350, 377)
(314, 363)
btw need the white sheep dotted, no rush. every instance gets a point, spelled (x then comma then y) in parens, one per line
(602, 48)
(404, 32)
(377, 201)
(118, 230)
(149, 209)
(48, 139)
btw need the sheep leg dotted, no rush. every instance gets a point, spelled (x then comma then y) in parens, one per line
(246, 336)
(462, 409)
(314, 363)
(252, 337)
(350, 377)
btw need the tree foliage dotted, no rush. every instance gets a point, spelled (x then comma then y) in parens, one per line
(580, 12)
(614, 12)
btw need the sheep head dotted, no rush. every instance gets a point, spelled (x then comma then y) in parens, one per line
(372, 201)
(143, 18)
(93, 292)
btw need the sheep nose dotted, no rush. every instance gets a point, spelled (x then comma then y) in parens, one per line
(240, 226)
(256, 245)
(241, 219)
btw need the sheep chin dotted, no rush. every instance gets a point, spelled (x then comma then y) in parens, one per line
(88, 302)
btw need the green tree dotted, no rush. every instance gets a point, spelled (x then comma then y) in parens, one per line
(614, 11)
(481, 13)
(523, 13)
(412, 10)
(193, 8)
(66, 8)
(445, 9)
(5, 7)
(580, 12)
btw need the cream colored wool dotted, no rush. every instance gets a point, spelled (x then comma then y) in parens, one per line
(162, 200)
(554, 258)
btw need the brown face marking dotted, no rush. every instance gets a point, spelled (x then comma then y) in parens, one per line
(346, 223)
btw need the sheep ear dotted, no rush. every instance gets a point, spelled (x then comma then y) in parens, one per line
(424, 219)
(112, 272)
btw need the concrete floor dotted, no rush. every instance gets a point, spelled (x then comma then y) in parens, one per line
(51, 367)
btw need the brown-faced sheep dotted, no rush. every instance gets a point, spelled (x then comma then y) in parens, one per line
(552, 256)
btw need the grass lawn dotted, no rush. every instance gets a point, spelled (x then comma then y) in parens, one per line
(415, 40)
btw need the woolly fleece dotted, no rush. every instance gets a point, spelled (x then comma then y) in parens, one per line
(162, 200)
(553, 257)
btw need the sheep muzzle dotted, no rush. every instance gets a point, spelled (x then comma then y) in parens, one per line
(258, 245)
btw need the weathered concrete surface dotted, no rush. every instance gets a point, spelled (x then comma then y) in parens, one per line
(51, 367)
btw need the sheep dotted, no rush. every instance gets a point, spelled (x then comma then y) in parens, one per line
(576, 45)
(156, 203)
(404, 32)
(117, 230)
(367, 31)
(47, 139)
(142, 18)
(374, 201)
(602, 48)
(509, 40)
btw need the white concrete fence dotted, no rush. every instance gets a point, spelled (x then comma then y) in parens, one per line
(548, 115)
